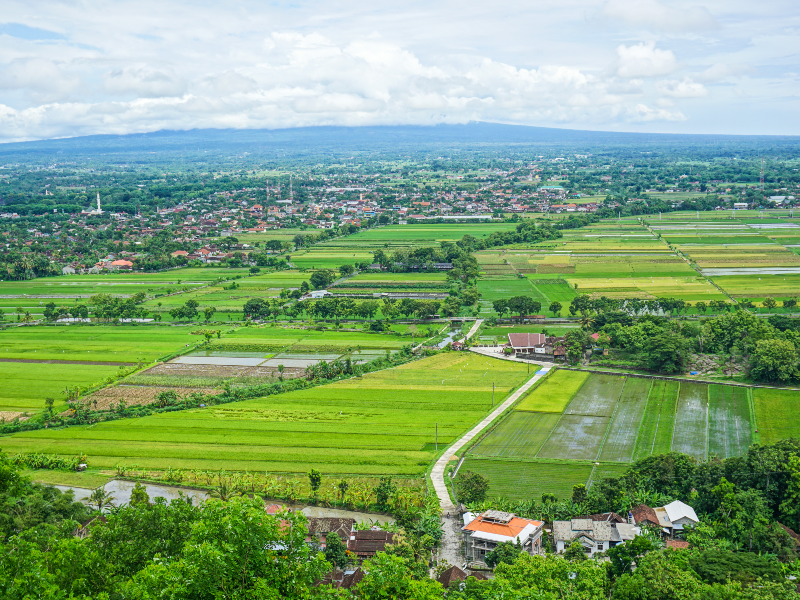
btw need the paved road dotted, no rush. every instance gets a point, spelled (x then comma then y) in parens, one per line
(451, 541)
(472, 331)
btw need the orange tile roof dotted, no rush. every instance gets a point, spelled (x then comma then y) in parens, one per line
(510, 529)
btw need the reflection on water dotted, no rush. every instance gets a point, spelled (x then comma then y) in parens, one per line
(121, 491)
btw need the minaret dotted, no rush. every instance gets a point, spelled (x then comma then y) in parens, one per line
(98, 204)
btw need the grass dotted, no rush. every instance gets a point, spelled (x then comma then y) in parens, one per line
(777, 414)
(655, 435)
(554, 393)
(527, 480)
(383, 423)
(23, 388)
(728, 420)
(597, 397)
(104, 343)
(85, 479)
(520, 435)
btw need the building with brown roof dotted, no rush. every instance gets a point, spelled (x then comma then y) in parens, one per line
(320, 527)
(451, 576)
(534, 343)
(594, 536)
(483, 533)
(365, 543)
(644, 515)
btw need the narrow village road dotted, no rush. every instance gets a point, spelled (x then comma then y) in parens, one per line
(451, 541)
(472, 331)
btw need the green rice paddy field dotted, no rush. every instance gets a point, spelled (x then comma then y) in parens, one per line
(576, 427)
(382, 423)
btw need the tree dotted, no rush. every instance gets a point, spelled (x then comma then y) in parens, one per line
(665, 352)
(315, 480)
(472, 487)
(500, 306)
(384, 492)
(624, 556)
(322, 278)
(701, 307)
(139, 494)
(504, 552)
(346, 270)
(769, 303)
(575, 552)
(789, 303)
(579, 493)
(100, 498)
(555, 308)
(335, 550)
(208, 312)
(774, 360)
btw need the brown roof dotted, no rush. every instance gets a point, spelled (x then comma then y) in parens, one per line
(451, 576)
(643, 513)
(794, 535)
(324, 525)
(479, 576)
(526, 340)
(351, 579)
(367, 542)
(611, 517)
(677, 544)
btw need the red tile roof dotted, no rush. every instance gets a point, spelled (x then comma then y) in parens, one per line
(511, 529)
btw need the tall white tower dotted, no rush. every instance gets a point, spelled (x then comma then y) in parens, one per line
(98, 203)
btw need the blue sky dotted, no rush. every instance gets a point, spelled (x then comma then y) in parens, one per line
(81, 68)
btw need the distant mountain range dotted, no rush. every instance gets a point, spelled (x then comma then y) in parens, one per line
(383, 139)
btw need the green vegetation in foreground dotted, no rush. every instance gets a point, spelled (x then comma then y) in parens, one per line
(382, 423)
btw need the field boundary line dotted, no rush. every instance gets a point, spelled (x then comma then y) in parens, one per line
(610, 422)
(755, 437)
(708, 425)
(641, 420)
(437, 473)
(679, 379)
(675, 418)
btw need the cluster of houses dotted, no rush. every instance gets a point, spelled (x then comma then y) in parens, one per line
(595, 533)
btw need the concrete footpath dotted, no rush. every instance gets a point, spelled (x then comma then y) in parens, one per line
(450, 549)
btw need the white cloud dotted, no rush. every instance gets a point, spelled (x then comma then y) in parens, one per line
(656, 16)
(130, 66)
(644, 60)
(144, 82)
(681, 88)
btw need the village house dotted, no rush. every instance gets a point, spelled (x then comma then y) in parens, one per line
(593, 535)
(365, 543)
(537, 343)
(670, 519)
(483, 533)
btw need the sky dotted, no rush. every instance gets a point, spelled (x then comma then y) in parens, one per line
(73, 67)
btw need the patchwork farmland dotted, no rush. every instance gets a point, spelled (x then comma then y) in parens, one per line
(577, 427)
(385, 422)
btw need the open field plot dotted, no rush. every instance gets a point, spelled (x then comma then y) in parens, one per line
(655, 435)
(554, 393)
(382, 423)
(777, 414)
(598, 396)
(494, 288)
(624, 429)
(267, 339)
(24, 386)
(520, 435)
(418, 234)
(691, 421)
(94, 343)
(576, 437)
(122, 284)
(729, 430)
(691, 288)
(528, 480)
(760, 285)
(368, 283)
(137, 395)
(325, 257)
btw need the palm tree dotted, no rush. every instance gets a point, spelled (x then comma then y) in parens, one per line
(101, 498)
(587, 322)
